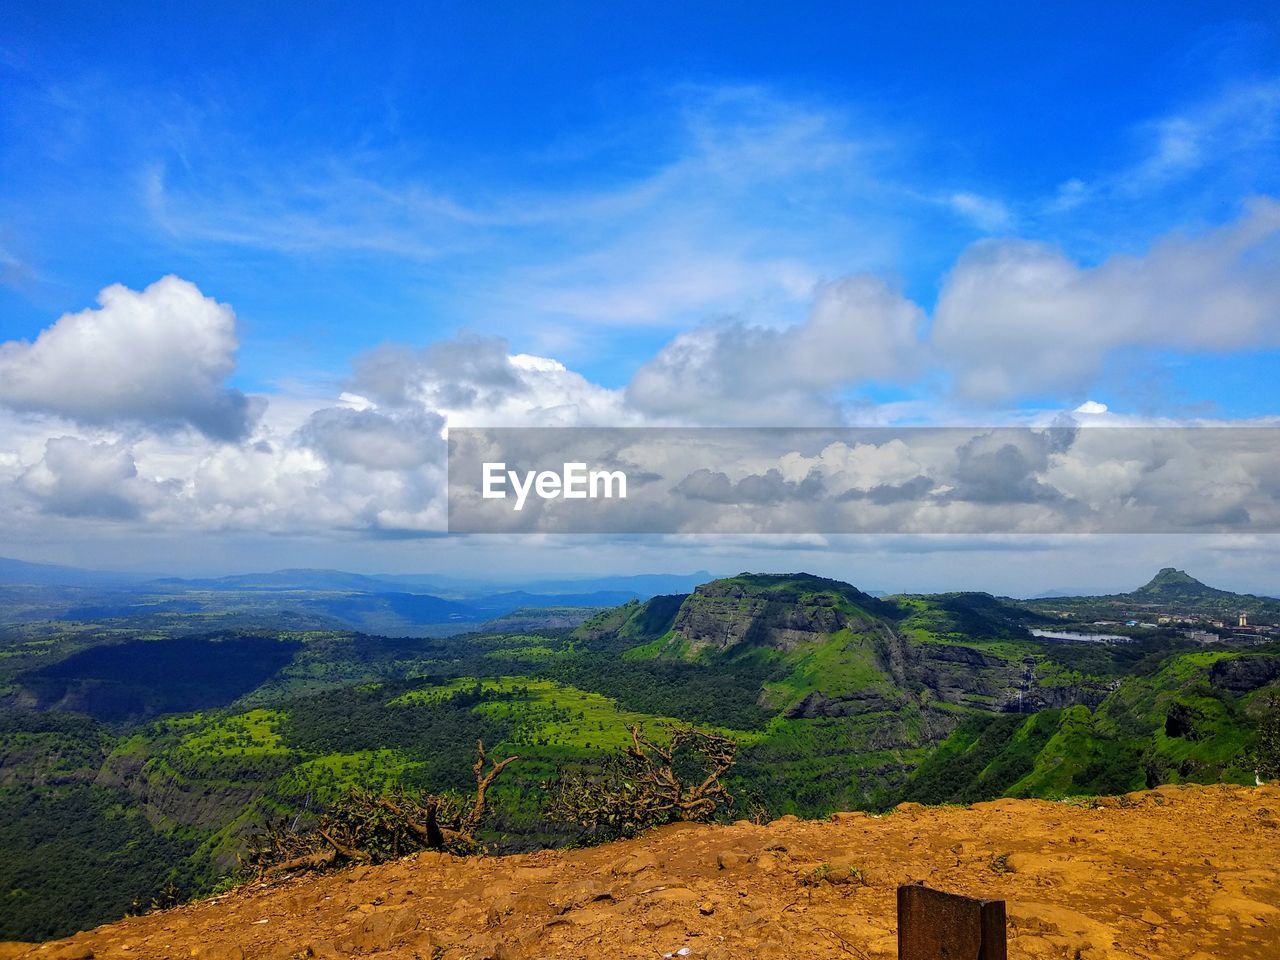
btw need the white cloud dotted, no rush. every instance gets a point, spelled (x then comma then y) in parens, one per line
(475, 381)
(1240, 120)
(290, 488)
(859, 329)
(371, 439)
(159, 357)
(1014, 318)
(77, 478)
(987, 213)
(1017, 318)
(1234, 131)
(862, 466)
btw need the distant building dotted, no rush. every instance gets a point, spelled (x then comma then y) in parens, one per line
(1244, 620)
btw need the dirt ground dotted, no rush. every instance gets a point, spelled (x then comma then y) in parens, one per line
(1178, 872)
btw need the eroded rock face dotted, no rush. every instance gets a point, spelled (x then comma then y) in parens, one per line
(818, 704)
(722, 615)
(1244, 674)
(169, 797)
(959, 674)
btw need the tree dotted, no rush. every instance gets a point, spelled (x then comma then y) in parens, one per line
(1265, 755)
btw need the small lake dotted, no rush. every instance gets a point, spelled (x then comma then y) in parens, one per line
(1081, 637)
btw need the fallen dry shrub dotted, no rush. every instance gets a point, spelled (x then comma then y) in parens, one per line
(368, 826)
(647, 784)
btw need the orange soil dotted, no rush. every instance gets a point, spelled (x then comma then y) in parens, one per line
(1178, 872)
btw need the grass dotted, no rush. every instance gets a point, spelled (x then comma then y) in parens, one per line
(256, 733)
(841, 663)
(330, 775)
(548, 714)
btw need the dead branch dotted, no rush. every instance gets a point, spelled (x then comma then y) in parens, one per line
(368, 827)
(650, 783)
(471, 822)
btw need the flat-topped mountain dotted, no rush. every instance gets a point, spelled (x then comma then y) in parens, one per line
(773, 610)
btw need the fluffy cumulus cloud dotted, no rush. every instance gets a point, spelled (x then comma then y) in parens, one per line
(159, 357)
(856, 466)
(370, 439)
(78, 478)
(1017, 318)
(288, 487)
(859, 329)
(476, 381)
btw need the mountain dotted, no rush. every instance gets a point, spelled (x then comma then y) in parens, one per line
(303, 598)
(1170, 591)
(1177, 586)
(49, 574)
(949, 697)
(621, 587)
(175, 740)
(293, 579)
(858, 689)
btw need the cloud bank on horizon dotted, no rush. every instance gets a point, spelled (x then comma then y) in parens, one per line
(294, 321)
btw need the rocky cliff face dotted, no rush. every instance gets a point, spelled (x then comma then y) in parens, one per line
(777, 612)
(1244, 674)
(723, 616)
(172, 798)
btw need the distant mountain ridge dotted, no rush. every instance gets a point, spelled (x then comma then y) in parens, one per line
(623, 587)
(1170, 590)
(53, 574)
(314, 598)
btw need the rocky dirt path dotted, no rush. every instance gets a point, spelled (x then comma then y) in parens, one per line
(1179, 872)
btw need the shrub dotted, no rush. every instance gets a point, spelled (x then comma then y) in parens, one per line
(1265, 754)
(368, 826)
(648, 784)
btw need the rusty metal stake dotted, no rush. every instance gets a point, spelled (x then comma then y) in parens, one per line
(933, 925)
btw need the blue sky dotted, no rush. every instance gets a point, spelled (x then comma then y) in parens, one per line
(620, 186)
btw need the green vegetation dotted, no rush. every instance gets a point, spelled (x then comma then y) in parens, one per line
(177, 745)
(60, 846)
(1265, 755)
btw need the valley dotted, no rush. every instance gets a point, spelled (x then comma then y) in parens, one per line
(116, 733)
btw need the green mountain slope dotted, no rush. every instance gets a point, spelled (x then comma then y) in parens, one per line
(838, 699)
